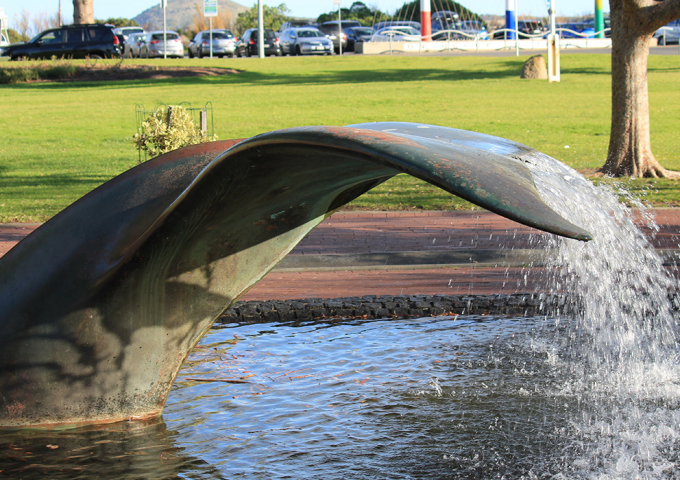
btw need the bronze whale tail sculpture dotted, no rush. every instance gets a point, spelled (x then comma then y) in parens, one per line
(100, 306)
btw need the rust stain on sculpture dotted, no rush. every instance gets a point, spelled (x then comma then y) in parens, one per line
(100, 306)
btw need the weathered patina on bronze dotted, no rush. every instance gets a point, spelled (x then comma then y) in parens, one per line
(100, 306)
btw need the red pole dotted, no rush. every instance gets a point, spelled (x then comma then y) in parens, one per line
(425, 20)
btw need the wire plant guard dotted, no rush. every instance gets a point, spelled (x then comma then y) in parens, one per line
(201, 117)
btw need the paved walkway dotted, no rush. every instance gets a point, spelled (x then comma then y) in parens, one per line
(353, 254)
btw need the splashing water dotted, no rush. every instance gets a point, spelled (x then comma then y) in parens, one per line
(622, 349)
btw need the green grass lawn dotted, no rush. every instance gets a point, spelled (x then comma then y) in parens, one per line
(60, 140)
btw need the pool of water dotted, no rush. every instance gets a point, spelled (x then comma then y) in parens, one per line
(449, 397)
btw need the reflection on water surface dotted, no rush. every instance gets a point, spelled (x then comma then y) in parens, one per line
(464, 397)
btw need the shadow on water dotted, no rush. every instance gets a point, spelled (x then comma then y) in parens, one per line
(122, 451)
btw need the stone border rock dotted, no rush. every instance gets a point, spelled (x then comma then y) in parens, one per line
(398, 306)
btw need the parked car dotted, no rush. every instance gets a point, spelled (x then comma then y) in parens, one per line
(575, 30)
(123, 33)
(475, 29)
(396, 23)
(223, 43)
(463, 30)
(445, 20)
(248, 43)
(133, 44)
(305, 41)
(69, 41)
(668, 34)
(292, 24)
(330, 29)
(357, 35)
(607, 25)
(127, 31)
(399, 33)
(525, 29)
(154, 46)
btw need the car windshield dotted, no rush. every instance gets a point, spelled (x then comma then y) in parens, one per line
(309, 33)
(219, 35)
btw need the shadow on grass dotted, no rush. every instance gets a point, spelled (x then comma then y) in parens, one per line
(507, 69)
(13, 186)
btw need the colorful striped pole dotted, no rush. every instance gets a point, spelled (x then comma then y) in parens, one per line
(599, 19)
(510, 18)
(425, 20)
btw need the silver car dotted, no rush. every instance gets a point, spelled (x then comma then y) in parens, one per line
(133, 44)
(305, 41)
(223, 43)
(397, 33)
(127, 31)
(668, 34)
(154, 47)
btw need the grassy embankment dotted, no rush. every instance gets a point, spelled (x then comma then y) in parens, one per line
(60, 140)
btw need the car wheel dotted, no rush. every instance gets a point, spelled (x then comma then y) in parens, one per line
(297, 50)
(248, 54)
(191, 54)
(95, 57)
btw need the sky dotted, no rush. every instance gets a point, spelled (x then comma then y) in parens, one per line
(299, 8)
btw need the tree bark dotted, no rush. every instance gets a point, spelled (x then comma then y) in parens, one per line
(633, 25)
(83, 11)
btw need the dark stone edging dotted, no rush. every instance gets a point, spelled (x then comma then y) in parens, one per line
(371, 306)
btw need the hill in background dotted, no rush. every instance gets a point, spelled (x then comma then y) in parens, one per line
(180, 14)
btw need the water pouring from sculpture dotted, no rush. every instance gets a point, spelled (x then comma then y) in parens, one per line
(100, 306)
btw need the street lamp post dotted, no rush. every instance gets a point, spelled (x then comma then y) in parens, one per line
(260, 30)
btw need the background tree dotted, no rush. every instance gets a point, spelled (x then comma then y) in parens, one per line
(22, 22)
(200, 23)
(15, 37)
(358, 11)
(83, 11)
(273, 18)
(633, 23)
(119, 22)
(43, 21)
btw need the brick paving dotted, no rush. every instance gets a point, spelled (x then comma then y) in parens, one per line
(346, 233)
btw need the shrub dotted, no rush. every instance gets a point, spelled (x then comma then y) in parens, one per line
(156, 137)
(32, 71)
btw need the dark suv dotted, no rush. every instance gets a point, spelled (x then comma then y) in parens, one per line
(70, 41)
(247, 44)
(330, 29)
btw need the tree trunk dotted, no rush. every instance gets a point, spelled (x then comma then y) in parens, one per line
(83, 11)
(630, 150)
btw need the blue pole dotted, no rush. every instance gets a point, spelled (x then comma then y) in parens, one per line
(510, 18)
